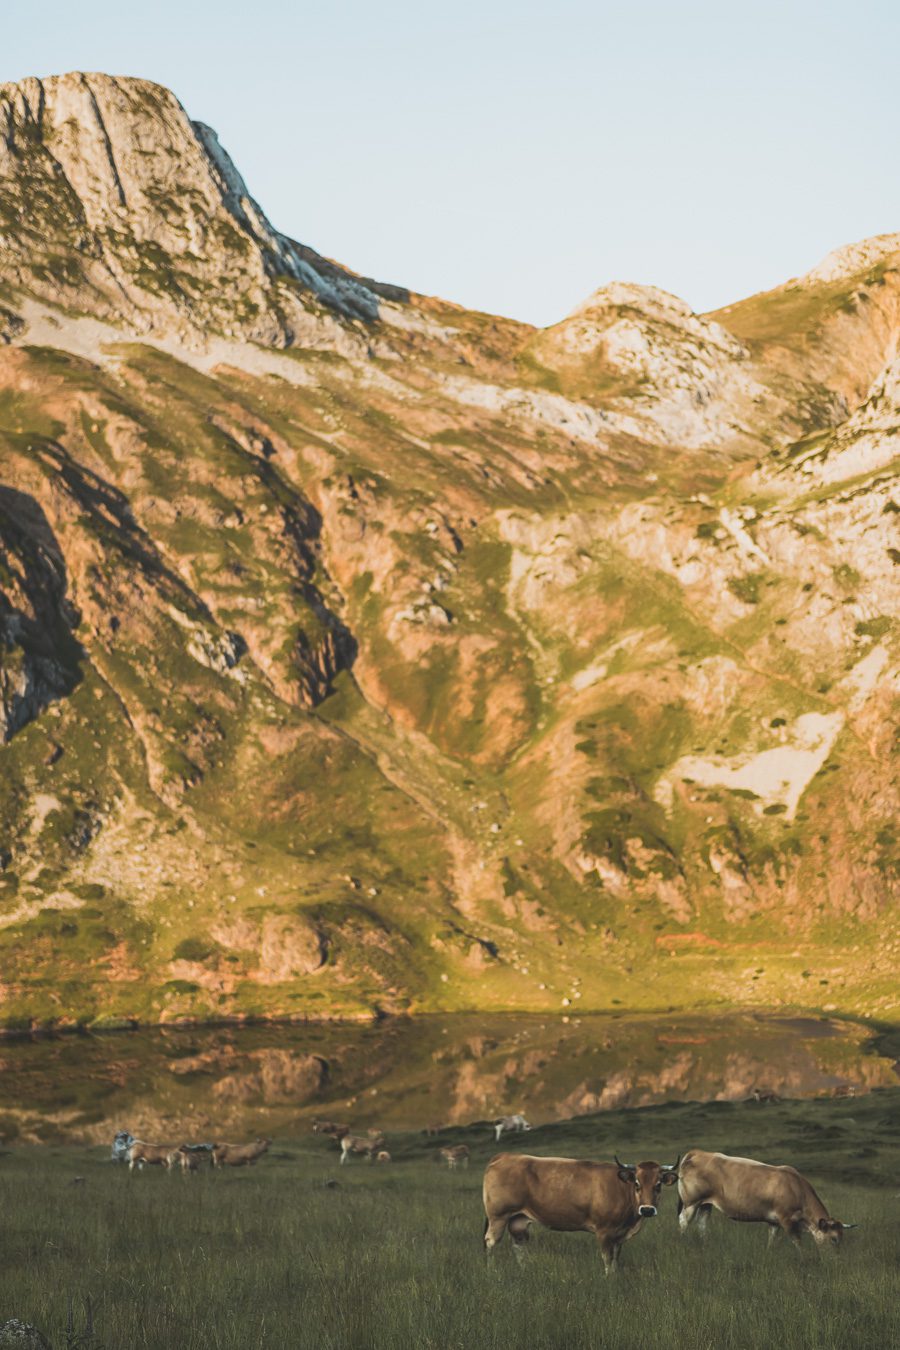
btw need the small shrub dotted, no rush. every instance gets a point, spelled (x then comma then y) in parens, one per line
(193, 949)
(747, 589)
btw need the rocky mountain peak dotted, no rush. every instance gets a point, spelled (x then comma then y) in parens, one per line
(625, 294)
(114, 200)
(849, 259)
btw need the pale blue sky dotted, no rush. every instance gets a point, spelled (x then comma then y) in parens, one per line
(513, 156)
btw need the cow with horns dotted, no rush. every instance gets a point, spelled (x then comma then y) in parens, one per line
(753, 1192)
(571, 1195)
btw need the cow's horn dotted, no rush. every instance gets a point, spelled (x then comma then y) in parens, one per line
(626, 1167)
(674, 1167)
(849, 1225)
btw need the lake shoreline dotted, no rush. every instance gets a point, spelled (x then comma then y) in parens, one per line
(131, 1025)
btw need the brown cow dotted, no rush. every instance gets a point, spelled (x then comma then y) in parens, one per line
(331, 1128)
(569, 1195)
(753, 1192)
(456, 1155)
(239, 1155)
(154, 1155)
(369, 1144)
(382, 1156)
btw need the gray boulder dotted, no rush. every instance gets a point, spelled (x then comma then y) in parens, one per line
(18, 1335)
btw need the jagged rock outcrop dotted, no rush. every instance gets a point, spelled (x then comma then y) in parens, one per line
(689, 377)
(110, 194)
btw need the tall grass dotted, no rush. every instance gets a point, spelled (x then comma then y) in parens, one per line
(391, 1258)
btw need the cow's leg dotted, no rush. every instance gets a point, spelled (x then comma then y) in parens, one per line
(774, 1235)
(686, 1216)
(688, 1213)
(498, 1130)
(493, 1232)
(344, 1153)
(609, 1251)
(518, 1231)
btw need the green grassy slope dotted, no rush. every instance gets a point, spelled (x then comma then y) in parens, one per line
(391, 1257)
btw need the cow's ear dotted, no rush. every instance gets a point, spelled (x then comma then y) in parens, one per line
(625, 1175)
(669, 1178)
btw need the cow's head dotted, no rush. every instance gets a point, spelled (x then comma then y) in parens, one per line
(830, 1231)
(648, 1179)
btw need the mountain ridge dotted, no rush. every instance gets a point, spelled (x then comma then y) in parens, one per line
(360, 653)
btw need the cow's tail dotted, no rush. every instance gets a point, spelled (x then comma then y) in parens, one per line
(680, 1204)
(487, 1224)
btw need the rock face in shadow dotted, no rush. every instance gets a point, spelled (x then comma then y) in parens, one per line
(38, 653)
(361, 654)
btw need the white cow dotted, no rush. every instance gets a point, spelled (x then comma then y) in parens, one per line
(510, 1125)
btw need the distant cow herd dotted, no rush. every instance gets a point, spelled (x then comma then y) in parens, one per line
(137, 1153)
(609, 1199)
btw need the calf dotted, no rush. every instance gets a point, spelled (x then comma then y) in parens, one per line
(610, 1200)
(187, 1158)
(753, 1192)
(239, 1155)
(456, 1155)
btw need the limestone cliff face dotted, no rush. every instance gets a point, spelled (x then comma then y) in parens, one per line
(113, 196)
(361, 653)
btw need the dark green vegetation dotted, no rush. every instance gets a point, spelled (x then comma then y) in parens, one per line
(391, 1258)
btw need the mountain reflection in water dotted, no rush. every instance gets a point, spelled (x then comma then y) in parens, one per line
(408, 1074)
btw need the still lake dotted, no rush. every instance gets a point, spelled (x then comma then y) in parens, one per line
(239, 1081)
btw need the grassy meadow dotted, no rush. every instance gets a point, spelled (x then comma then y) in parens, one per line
(391, 1258)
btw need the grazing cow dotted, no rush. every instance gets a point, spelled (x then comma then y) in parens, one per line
(432, 1129)
(187, 1158)
(358, 1143)
(509, 1125)
(382, 1156)
(753, 1192)
(844, 1090)
(154, 1155)
(239, 1155)
(758, 1095)
(569, 1195)
(456, 1155)
(331, 1128)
